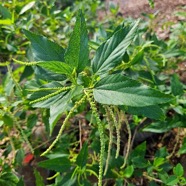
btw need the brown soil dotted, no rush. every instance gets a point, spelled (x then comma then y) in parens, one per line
(135, 8)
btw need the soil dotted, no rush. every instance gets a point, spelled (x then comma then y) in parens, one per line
(134, 8)
(164, 11)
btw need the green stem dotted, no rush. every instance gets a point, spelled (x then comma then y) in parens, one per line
(25, 63)
(24, 136)
(128, 143)
(50, 95)
(44, 89)
(110, 138)
(101, 133)
(77, 104)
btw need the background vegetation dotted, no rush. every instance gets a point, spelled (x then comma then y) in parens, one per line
(104, 142)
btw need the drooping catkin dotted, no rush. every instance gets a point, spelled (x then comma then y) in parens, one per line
(110, 127)
(128, 143)
(77, 104)
(50, 95)
(26, 63)
(101, 133)
(117, 126)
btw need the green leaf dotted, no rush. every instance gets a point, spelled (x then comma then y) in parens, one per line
(62, 105)
(83, 155)
(151, 3)
(158, 161)
(21, 182)
(41, 73)
(39, 178)
(172, 180)
(140, 150)
(176, 85)
(5, 13)
(8, 120)
(8, 84)
(137, 58)
(44, 49)
(8, 179)
(77, 54)
(61, 164)
(110, 53)
(117, 89)
(19, 157)
(27, 7)
(163, 126)
(128, 171)
(68, 180)
(56, 67)
(178, 170)
(137, 156)
(31, 120)
(153, 112)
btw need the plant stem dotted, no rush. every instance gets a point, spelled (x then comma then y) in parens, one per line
(128, 143)
(101, 133)
(50, 95)
(176, 144)
(77, 104)
(151, 178)
(110, 138)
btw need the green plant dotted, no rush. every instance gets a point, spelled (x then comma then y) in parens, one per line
(67, 80)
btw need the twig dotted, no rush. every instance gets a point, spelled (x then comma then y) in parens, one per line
(128, 143)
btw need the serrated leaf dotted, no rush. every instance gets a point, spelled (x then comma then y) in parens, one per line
(41, 73)
(153, 112)
(56, 67)
(110, 53)
(77, 54)
(44, 49)
(61, 164)
(117, 89)
(83, 156)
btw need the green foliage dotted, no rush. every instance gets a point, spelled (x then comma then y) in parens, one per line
(8, 179)
(125, 91)
(77, 54)
(44, 49)
(114, 49)
(60, 164)
(83, 155)
(100, 77)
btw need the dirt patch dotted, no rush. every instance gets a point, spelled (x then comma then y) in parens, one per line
(135, 8)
